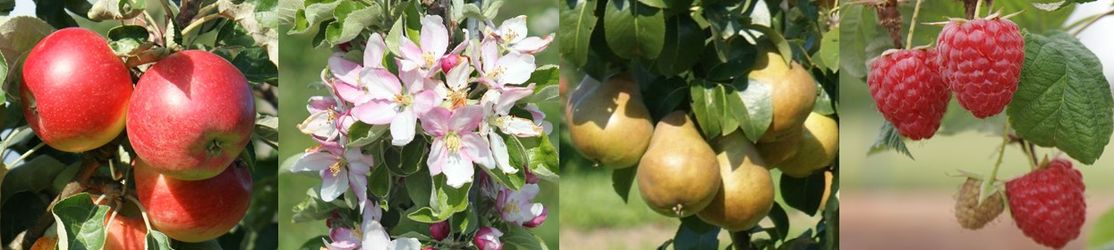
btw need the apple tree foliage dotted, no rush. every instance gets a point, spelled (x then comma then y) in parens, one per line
(49, 193)
(695, 55)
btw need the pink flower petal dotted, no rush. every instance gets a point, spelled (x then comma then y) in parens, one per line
(376, 112)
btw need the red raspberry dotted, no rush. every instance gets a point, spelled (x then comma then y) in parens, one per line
(908, 91)
(981, 61)
(1047, 204)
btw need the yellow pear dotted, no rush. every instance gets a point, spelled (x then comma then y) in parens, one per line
(607, 122)
(818, 148)
(747, 193)
(778, 151)
(678, 175)
(792, 92)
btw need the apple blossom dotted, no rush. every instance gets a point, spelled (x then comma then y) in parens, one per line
(395, 103)
(434, 40)
(497, 69)
(512, 32)
(343, 239)
(376, 237)
(456, 146)
(487, 238)
(339, 169)
(518, 207)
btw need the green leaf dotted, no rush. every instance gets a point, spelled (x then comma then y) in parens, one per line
(361, 134)
(410, 159)
(314, 13)
(54, 13)
(81, 221)
(1102, 235)
(1063, 100)
(256, 65)
(351, 19)
(543, 159)
(695, 234)
(312, 208)
(778, 41)
(157, 240)
(545, 75)
(19, 34)
(116, 9)
(379, 182)
(706, 109)
(803, 194)
(634, 30)
(32, 175)
(682, 34)
(266, 128)
(577, 20)
(316, 242)
(829, 49)
(781, 222)
(728, 121)
(127, 39)
(522, 239)
(6, 7)
(491, 8)
(449, 201)
(621, 180)
(393, 36)
(419, 187)
(757, 100)
(889, 139)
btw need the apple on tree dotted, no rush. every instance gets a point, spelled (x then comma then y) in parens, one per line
(191, 115)
(75, 90)
(194, 211)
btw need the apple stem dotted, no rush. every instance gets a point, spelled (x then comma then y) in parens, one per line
(28, 153)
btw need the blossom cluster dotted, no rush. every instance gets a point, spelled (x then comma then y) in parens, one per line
(460, 100)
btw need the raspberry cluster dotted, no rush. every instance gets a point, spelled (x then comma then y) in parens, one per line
(980, 60)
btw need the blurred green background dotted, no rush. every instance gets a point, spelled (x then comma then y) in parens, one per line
(894, 202)
(302, 64)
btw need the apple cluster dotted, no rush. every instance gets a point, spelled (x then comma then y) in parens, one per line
(188, 118)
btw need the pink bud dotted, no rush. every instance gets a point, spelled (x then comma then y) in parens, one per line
(429, 248)
(487, 238)
(439, 230)
(344, 47)
(537, 220)
(449, 61)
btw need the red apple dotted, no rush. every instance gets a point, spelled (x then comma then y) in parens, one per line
(125, 233)
(191, 115)
(194, 211)
(75, 90)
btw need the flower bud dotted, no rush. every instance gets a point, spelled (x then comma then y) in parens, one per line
(487, 238)
(537, 220)
(449, 61)
(439, 230)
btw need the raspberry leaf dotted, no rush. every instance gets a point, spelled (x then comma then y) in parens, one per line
(889, 139)
(1063, 100)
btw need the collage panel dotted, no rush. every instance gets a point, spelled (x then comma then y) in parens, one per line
(699, 124)
(984, 123)
(420, 125)
(136, 125)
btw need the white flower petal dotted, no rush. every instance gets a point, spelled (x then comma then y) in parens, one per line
(516, 68)
(380, 84)
(315, 161)
(520, 127)
(435, 38)
(403, 243)
(402, 128)
(513, 30)
(333, 185)
(320, 124)
(478, 150)
(375, 236)
(436, 158)
(499, 152)
(532, 45)
(457, 170)
(341, 66)
(373, 51)
(376, 112)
